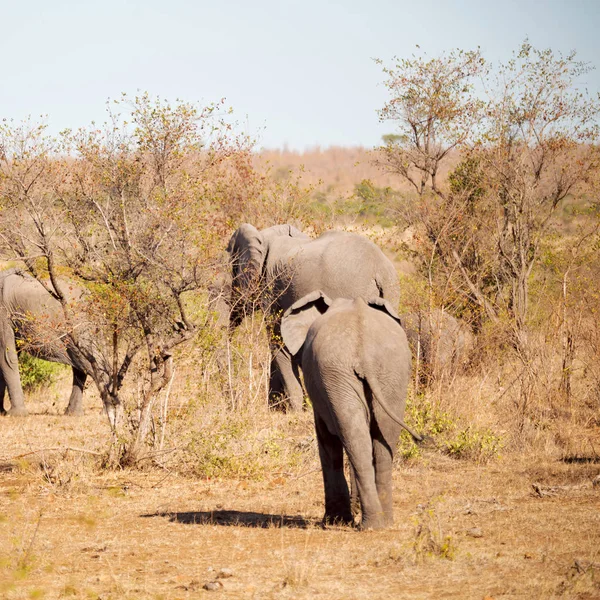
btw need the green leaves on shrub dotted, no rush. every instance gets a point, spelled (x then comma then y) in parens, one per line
(450, 435)
(477, 445)
(36, 373)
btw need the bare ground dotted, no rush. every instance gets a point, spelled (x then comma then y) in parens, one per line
(520, 527)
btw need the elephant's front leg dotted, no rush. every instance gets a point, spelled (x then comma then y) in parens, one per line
(75, 406)
(337, 496)
(285, 379)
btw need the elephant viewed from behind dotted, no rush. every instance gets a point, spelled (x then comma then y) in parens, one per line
(29, 314)
(275, 267)
(356, 363)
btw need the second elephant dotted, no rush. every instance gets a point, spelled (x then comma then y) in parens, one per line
(275, 267)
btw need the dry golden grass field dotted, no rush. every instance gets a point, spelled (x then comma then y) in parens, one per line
(228, 500)
(520, 526)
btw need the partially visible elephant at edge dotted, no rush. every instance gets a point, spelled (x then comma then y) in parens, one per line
(356, 363)
(439, 343)
(281, 264)
(23, 301)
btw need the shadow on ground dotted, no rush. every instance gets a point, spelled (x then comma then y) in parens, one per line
(580, 460)
(236, 518)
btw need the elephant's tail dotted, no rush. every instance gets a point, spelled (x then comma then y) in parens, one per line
(379, 397)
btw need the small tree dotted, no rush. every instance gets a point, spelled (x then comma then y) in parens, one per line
(539, 146)
(530, 145)
(435, 110)
(133, 213)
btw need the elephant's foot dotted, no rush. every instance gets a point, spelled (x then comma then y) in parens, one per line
(295, 404)
(338, 519)
(74, 412)
(375, 522)
(17, 411)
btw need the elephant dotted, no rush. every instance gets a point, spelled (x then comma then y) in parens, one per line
(439, 342)
(356, 363)
(275, 267)
(29, 312)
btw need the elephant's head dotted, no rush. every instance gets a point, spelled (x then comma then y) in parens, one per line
(301, 315)
(248, 249)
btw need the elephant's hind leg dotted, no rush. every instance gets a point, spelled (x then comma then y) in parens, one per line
(382, 458)
(359, 446)
(354, 499)
(75, 407)
(337, 496)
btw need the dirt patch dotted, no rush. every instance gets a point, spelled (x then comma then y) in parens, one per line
(70, 530)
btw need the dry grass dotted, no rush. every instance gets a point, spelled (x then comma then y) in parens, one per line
(502, 507)
(461, 531)
(70, 529)
(335, 170)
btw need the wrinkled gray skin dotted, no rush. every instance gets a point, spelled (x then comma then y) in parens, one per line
(22, 300)
(280, 265)
(439, 342)
(356, 363)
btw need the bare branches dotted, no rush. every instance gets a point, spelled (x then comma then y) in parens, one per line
(527, 147)
(434, 109)
(128, 213)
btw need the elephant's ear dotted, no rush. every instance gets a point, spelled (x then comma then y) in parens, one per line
(295, 232)
(384, 306)
(247, 252)
(298, 318)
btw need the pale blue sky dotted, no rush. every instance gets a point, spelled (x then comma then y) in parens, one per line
(302, 70)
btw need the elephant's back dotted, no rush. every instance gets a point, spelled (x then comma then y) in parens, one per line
(331, 343)
(387, 342)
(27, 295)
(342, 265)
(354, 335)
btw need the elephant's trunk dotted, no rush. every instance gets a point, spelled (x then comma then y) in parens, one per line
(236, 316)
(245, 290)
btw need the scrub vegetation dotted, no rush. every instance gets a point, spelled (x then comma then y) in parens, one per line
(485, 197)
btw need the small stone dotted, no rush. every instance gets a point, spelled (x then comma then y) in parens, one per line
(212, 586)
(596, 481)
(474, 532)
(224, 573)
